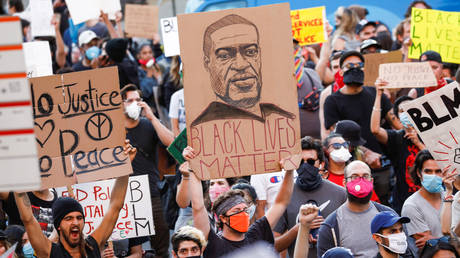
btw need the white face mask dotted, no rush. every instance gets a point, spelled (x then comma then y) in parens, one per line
(397, 242)
(133, 110)
(341, 155)
(252, 211)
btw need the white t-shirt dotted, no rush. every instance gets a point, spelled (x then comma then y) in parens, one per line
(456, 210)
(177, 108)
(267, 186)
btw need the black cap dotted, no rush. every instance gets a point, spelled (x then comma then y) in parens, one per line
(63, 206)
(369, 43)
(363, 23)
(116, 49)
(350, 131)
(431, 55)
(348, 54)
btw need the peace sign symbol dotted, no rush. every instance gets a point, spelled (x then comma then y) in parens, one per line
(98, 127)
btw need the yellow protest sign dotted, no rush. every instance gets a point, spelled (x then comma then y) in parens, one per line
(309, 25)
(435, 30)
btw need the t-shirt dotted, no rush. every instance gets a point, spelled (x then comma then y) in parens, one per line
(219, 246)
(326, 191)
(358, 108)
(41, 210)
(177, 108)
(92, 249)
(77, 67)
(145, 139)
(455, 210)
(355, 230)
(423, 216)
(267, 186)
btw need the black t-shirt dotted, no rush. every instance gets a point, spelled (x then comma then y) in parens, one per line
(219, 246)
(92, 249)
(40, 208)
(145, 139)
(356, 107)
(77, 67)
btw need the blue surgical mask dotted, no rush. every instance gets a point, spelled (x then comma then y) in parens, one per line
(28, 250)
(405, 121)
(432, 183)
(92, 52)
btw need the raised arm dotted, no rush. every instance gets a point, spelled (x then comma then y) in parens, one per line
(307, 213)
(446, 212)
(41, 244)
(165, 135)
(377, 131)
(183, 191)
(324, 72)
(112, 32)
(60, 46)
(282, 198)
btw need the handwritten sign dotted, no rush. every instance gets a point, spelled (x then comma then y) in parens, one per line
(407, 75)
(373, 61)
(18, 152)
(41, 13)
(79, 115)
(177, 146)
(435, 117)
(83, 10)
(141, 20)
(38, 58)
(170, 35)
(435, 30)
(135, 218)
(309, 25)
(239, 120)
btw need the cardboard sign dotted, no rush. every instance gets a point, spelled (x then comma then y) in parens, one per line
(38, 58)
(170, 35)
(83, 10)
(177, 146)
(435, 117)
(309, 25)
(135, 219)
(141, 20)
(79, 115)
(41, 14)
(407, 75)
(18, 151)
(241, 98)
(435, 30)
(373, 61)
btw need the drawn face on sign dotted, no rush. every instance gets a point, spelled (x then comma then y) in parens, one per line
(232, 58)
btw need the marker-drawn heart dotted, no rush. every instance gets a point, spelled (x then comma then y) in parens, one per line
(127, 232)
(51, 126)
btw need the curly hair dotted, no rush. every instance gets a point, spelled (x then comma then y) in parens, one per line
(421, 157)
(310, 143)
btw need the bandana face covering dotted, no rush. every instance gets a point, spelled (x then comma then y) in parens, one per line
(354, 77)
(308, 178)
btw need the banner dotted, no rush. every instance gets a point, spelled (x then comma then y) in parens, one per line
(372, 63)
(241, 99)
(435, 30)
(135, 218)
(408, 75)
(141, 20)
(309, 25)
(170, 35)
(435, 117)
(79, 127)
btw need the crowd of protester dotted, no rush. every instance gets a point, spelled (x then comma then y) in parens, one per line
(366, 185)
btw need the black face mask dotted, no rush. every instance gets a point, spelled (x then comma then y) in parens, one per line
(357, 200)
(308, 178)
(354, 77)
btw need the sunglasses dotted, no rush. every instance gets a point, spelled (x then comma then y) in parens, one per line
(337, 146)
(309, 161)
(354, 65)
(434, 242)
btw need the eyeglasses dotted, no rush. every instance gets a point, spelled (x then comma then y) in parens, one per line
(129, 101)
(354, 177)
(337, 146)
(434, 242)
(309, 161)
(354, 65)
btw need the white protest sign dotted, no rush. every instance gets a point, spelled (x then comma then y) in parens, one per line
(170, 34)
(83, 10)
(42, 14)
(435, 117)
(38, 58)
(407, 75)
(135, 218)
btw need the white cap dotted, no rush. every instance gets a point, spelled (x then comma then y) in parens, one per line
(85, 37)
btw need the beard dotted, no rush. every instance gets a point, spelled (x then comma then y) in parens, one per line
(354, 199)
(72, 244)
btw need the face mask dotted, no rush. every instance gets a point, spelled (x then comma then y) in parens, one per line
(133, 110)
(354, 76)
(405, 121)
(308, 178)
(92, 52)
(360, 187)
(432, 183)
(397, 242)
(28, 250)
(252, 211)
(341, 155)
(216, 190)
(239, 222)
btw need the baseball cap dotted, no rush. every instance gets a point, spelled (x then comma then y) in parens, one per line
(369, 43)
(350, 131)
(431, 55)
(348, 54)
(363, 23)
(85, 37)
(386, 219)
(339, 252)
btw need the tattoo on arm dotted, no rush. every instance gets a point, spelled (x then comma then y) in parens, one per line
(25, 199)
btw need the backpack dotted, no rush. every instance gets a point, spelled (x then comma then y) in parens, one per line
(308, 96)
